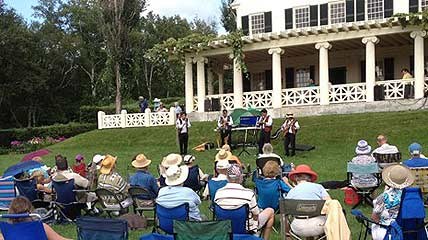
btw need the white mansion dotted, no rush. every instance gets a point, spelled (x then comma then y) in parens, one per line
(347, 47)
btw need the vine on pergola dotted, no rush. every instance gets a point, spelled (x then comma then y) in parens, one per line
(412, 19)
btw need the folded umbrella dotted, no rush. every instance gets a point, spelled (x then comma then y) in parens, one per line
(21, 167)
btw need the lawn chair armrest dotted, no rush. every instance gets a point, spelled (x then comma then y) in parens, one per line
(20, 215)
(360, 216)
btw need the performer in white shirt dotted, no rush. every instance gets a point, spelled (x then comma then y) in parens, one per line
(182, 124)
(384, 147)
(290, 128)
(224, 126)
(265, 123)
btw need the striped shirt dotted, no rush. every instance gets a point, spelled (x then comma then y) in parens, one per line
(115, 183)
(233, 196)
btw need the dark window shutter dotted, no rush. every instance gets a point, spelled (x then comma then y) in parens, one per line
(324, 14)
(388, 66)
(388, 8)
(363, 71)
(245, 25)
(361, 14)
(246, 81)
(412, 64)
(314, 15)
(350, 17)
(312, 72)
(289, 18)
(268, 79)
(413, 6)
(268, 22)
(289, 78)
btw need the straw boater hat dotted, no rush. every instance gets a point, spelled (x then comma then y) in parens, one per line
(303, 169)
(171, 160)
(223, 155)
(141, 161)
(176, 175)
(363, 148)
(107, 164)
(398, 176)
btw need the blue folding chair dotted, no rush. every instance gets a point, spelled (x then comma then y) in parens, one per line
(7, 192)
(164, 217)
(66, 202)
(269, 192)
(27, 188)
(22, 230)
(213, 186)
(93, 228)
(238, 217)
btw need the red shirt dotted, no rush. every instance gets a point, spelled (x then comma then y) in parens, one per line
(80, 169)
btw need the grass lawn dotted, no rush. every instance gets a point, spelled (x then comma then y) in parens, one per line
(334, 136)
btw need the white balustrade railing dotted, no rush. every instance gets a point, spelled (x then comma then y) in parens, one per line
(300, 96)
(258, 99)
(394, 89)
(351, 92)
(125, 120)
(195, 104)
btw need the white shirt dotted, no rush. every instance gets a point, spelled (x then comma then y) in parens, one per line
(268, 123)
(183, 125)
(78, 180)
(386, 149)
(286, 122)
(227, 118)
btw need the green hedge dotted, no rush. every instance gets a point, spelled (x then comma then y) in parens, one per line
(55, 131)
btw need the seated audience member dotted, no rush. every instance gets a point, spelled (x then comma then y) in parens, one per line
(111, 180)
(221, 169)
(143, 178)
(234, 195)
(54, 169)
(226, 147)
(384, 147)
(268, 152)
(80, 167)
(93, 169)
(172, 159)
(415, 150)
(363, 157)
(21, 205)
(45, 169)
(387, 205)
(63, 173)
(196, 175)
(40, 179)
(174, 194)
(307, 189)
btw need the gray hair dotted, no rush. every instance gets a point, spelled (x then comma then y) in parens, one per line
(235, 179)
(267, 148)
(303, 177)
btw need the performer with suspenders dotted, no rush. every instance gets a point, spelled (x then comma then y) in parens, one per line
(224, 125)
(265, 123)
(290, 128)
(182, 126)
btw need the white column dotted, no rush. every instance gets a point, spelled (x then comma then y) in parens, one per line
(210, 79)
(220, 83)
(419, 53)
(276, 77)
(200, 75)
(370, 43)
(237, 85)
(188, 82)
(323, 47)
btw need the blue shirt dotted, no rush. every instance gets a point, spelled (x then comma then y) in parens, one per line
(416, 162)
(146, 180)
(173, 196)
(269, 191)
(307, 191)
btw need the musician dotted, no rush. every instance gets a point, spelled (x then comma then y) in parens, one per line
(224, 125)
(265, 123)
(182, 124)
(290, 128)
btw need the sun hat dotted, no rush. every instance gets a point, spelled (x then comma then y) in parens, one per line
(141, 161)
(234, 171)
(415, 148)
(107, 164)
(223, 155)
(289, 114)
(176, 175)
(303, 169)
(188, 159)
(398, 176)
(172, 159)
(363, 148)
(79, 157)
(222, 164)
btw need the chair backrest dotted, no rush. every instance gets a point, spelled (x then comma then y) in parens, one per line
(421, 178)
(192, 180)
(238, 217)
(137, 192)
(369, 168)
(92, 228)
(297, 207)
(213, 186)
(107, 198)
(387, 159)
(7, 192)
(213, 230)
(268, 193)
(27, 188)
(64, 191)
(412, 214)
(261, 161)
(23, 230)
(165, 216)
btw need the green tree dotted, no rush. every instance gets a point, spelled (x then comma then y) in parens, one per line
(228, 16)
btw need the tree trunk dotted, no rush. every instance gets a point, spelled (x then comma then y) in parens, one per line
(29, 117)
(118, 101)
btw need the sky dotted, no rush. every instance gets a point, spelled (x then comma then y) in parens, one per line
(205, 9)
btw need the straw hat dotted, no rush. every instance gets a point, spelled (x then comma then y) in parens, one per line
(176, 175)
(171, 160)
(303, 169)
(223, 155)
(398, 176)
(107, 164)
(141, 161)
(222, 164)
(363, 148)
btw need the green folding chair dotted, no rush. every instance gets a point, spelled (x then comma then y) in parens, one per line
(205, 230)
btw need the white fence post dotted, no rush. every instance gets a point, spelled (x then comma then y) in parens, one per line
(147, 114)
(100, 119)
(172, 115)
(123, 118)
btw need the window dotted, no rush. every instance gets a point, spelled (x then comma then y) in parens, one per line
(258, 81)
(424, 5)
(303, 77)
(337, 12)
(302, 17)
(374, 9)
(257, 23)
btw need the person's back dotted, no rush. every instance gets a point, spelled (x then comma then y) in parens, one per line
(415, 150)
(269, 191)
(307, 191)
(115, 183)
(384, 147)
(193, 180)
(362, 158)
(146, 180)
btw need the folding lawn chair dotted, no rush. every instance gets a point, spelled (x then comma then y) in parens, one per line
(27, 188)
(269, 192)
(364, 192)
(421, 178)
(213, 186)
(7, 192)
(93, 228)
(140, 199)
(387, 159)
(110, 203)
(292, 208)
(65, 200)
(213, 230)
(22, 230)
(164, 217)
(238, 217)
